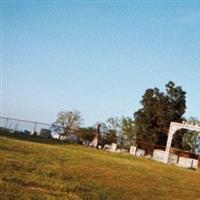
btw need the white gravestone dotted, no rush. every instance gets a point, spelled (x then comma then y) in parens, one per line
(140, 152)
(107, 147)
(159, 155)
(94, 143)
(113, 147)
(187, 162)
(195, 164)
(173, 158)
(133, 150)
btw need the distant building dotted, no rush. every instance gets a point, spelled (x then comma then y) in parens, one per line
(45, 133)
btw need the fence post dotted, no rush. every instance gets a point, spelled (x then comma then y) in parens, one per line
(16, 127)
(34, 129)
(6, 122)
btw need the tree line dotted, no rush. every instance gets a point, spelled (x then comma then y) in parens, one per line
(149, 125)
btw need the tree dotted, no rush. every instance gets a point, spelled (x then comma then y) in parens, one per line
(113, 123)
(158, 110)
(86, 133)
(108, 132)
(128, 130)
(67, 121)
(191, 139)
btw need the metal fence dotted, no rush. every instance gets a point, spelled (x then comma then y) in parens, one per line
(23, 125)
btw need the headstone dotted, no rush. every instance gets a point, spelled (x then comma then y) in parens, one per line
(113, 147)
(140, 152)
(133, 150)
(195, 164)
(185, 162)
(106, 147)
(94, 142)
(173, 158)
(158, 155)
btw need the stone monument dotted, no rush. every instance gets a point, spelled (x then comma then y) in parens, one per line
(174, 126)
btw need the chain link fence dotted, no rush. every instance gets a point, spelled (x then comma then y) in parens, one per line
(25, 126)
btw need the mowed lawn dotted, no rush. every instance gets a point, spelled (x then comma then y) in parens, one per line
(31, 170)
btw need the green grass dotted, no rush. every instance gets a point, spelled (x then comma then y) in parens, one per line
(32, 170)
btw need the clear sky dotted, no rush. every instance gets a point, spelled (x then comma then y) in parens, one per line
(96, 57)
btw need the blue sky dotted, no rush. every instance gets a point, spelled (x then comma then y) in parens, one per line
(96, 57)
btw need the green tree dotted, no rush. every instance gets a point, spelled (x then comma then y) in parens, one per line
(67, 121)
(190, 139)
(87, 133)
(128, 130)
(109, 131)
(158, 110)
(113, 123)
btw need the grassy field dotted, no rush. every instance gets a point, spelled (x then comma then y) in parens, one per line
(33, 170)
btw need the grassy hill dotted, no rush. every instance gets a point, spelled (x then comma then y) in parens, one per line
(32, 170)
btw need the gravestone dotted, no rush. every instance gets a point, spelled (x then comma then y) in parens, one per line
(195, 164)
(140, 153)
(95, 141)
(107, 147)
(187, 162)
(173, 158)
(133, 150)
(158, 155)
(113, 147)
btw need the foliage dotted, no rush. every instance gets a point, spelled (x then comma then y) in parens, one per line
(128, 130)
(177, 140)
(86, 133)
(67, 121)
(158, 110)
(191, 138)
(113, 123)
(108, 138)
(108, 133)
